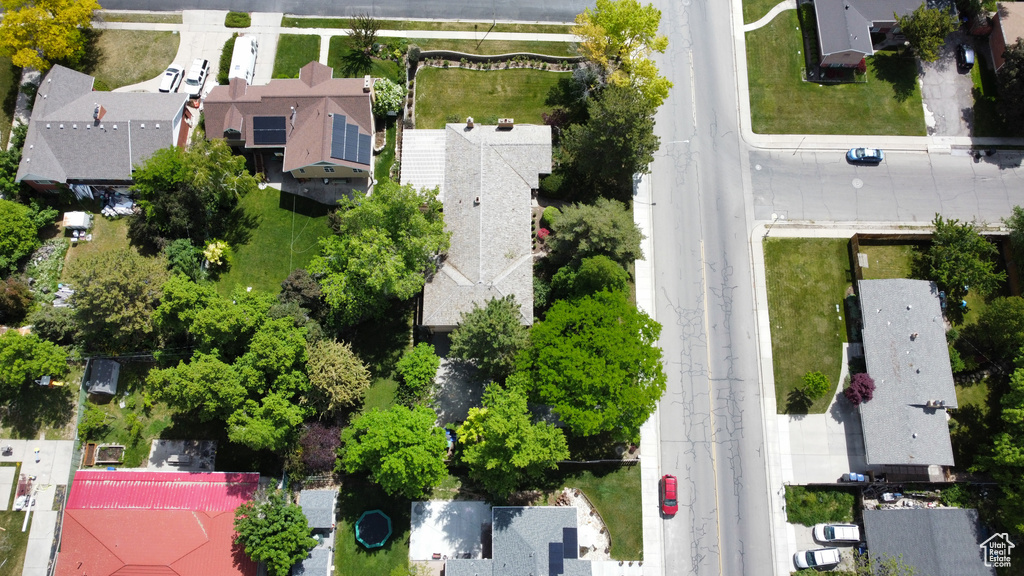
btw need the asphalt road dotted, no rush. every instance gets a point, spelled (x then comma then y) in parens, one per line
(711, 426)
(907, 187)
(528, 10)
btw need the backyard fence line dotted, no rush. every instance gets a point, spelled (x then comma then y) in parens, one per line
(619, 461)
(453, 55)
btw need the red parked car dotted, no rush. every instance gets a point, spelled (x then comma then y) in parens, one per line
(669, 505)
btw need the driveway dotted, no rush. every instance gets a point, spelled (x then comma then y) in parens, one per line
(946, 93)
(802, 538)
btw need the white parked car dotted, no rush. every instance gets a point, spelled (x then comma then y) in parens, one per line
(820, 558)
(196, 77)
(835, 533)
(171, 79)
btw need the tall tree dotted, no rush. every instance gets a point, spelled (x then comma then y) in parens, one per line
(617, 142)
(273, 531)
(595, 360)
(593, 275)
(418, 369)
(26, 358)
(116, 293)
(338, 378)
(229, 325)
(1010, 78)
(384, 246)
(491, 336)
(36, 33)
(17, 235)
(267, 424)
(960, 259)
(1006, 463)
(181, 301)
(605, 228)
(363, 33)
(999, 332)
(206, 387)
(501, 445)
(620, 36)
(926, 29)
(402, 449)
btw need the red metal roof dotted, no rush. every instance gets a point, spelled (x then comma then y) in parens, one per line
(148, 490)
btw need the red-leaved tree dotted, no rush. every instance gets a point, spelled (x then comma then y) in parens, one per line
(862, 389)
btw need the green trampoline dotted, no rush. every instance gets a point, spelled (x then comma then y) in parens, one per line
(373, 529)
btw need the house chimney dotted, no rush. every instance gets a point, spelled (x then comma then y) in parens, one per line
(98, 112)
(506, 123)
(367, 83)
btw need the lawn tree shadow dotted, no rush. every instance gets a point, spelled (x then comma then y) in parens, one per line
(239, 225)
(358, 495)
(356, 63)
(901, 73)
(969, 434)
(381, 342)
(88, 58)
(798, 403)
(231, 457)
(36, 407)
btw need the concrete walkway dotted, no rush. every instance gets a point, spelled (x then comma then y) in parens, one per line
(780, 7)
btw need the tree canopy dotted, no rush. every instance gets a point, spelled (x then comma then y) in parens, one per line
(619, 36)
(36, 33)
(596, 362)
(116, 294)
(615, 143)
(18, 236)
(593, 275)
(960, 259)
(401, 448)
(503, 448)
(1010, 78)
(605, 228)
(383, 247)
(926, 30)
(492, 336)
(1006, 463)
(206, 387)
(999, 332)
(338, 378)
(418, 369)
(273, 531)
(26, 358)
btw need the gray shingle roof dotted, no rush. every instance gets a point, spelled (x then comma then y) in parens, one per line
(318, 563)
(846, 24)
(318, 506)
(908, 372)
(489, 175)
(937, 542)
(103, 375)
(88, 150)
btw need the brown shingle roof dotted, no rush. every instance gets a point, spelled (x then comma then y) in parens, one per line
(308, 103)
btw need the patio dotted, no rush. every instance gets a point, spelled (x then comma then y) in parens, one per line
(323, 190)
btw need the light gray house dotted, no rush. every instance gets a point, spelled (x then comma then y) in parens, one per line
(528, 540)
(851, 30)
(905, 424)
(489, 175)
(80, 136)
(936, 542)
(318, 507)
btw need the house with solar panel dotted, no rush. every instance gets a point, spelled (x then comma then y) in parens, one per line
(320, 126)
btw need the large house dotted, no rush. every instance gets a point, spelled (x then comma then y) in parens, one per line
(933, 541)
(905, 425)
(487, 178)
(1007, 28)
(143, 522)
(321, 125)
(851, 30)
(78, 136)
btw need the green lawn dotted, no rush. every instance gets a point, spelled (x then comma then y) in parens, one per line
(348, 63)
(286, 237)
(107, 235)
(104, 16)
(489, 47)
(124, 57)
(13, 543)
(386, 158)
(888, 261)
(972, 424)
(10, 76)
(484, 95)
(293, 52)
(806, 279)
(293, 22)
(615, 492)
(754, 10)
(810, 506)
(780, 103)
(350, 557)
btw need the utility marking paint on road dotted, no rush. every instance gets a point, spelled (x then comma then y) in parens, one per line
(711, 398)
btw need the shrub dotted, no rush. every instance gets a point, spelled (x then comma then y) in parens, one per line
(54, 324)
(15, 300)
(541, 293)
(816, 385)
(93, 424)
(549, 216)
(543, 233)
(414, 53)
(217, 253)
(237, 20)
(810, 506)
(862, 389)
(388, 96)
(551, 185)
(317, 450)
(418, 367)
(956, 496)
(225, 60)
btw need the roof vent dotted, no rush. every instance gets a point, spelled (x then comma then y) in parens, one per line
(101, 127)
(47, 126)
(115, 126)
(157, 126)
(469, 122)
(476, 201)
(908, 306)
(61, 126)
(143, 125)
(914, 336)
(74, 126)
(506, 123)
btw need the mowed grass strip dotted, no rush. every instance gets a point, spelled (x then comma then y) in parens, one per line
(517, 94)
(293, 52)
(494, 47)
(127, 57)
(166, 18)
(888, 261)
(287, 237)
(524, 28)
(889, 103)
(807, 278)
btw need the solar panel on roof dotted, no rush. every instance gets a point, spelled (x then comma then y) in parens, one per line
(555, 565)
(338, 137)
(363, 156)
(570, 543)
(351, 142)
(268, 130)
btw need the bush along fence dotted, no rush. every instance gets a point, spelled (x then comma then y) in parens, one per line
(452, 59)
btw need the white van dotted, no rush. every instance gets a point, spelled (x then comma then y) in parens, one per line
(243, 58)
